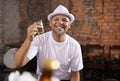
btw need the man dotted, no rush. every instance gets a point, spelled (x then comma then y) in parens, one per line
(54, 44)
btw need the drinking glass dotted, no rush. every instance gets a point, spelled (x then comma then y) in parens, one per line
(39, 26)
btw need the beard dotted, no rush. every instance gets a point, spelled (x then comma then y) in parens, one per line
(60, 32)
(60, 29)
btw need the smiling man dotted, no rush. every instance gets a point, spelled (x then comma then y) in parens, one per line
(55, 44)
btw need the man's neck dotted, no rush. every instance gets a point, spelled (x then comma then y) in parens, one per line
(59, 38)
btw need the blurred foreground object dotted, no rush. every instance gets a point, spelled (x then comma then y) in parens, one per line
(48, 66)
(9, 57)
(25, 76)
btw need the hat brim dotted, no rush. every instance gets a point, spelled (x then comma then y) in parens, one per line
(67, 14)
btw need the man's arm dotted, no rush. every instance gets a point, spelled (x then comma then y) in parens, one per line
(75, 76)
(20, 58)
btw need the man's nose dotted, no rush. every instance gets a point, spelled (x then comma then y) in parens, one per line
(60, 21)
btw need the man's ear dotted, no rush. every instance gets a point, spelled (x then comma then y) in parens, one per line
(49, 23)
(70, 25)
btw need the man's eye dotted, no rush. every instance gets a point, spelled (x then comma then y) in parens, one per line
(65, 20)
(55, 19)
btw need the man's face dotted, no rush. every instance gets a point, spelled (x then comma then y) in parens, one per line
(60, 24)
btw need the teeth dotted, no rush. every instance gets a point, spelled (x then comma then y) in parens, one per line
(59, 27)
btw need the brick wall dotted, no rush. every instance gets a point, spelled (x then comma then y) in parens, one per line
(1, 30)
(9, 31)
(9, 21)
(97, 21)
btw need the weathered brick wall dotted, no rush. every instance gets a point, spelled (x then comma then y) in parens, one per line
(9, 31)
(9, 21)
(0, 30)
(97, 21)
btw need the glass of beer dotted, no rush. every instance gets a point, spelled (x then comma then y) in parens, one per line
(40, 27)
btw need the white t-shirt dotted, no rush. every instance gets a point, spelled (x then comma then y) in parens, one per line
(68, 53)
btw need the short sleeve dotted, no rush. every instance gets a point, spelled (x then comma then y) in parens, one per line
(77, 61)
(32, 52)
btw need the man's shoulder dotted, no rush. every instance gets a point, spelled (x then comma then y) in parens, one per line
(73, 42)
(71, 39)
(46, 34)
(42, 37)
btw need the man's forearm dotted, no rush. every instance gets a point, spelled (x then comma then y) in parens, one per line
(75, 76)
(20, 56)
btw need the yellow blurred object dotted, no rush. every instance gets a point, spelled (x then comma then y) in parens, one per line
(51, 64)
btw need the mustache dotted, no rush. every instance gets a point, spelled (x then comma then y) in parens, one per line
(59, 25)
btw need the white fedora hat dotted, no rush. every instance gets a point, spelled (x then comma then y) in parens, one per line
(61, 10)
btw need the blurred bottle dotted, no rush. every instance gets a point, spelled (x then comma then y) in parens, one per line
(49, 66)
